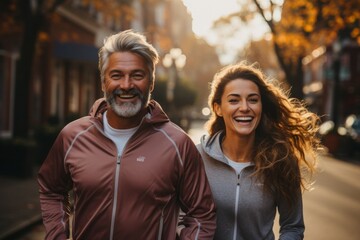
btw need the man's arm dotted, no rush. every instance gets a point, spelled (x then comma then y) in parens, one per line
(198, 220)
(53, 189)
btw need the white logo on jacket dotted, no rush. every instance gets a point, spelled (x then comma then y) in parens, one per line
(140, 159)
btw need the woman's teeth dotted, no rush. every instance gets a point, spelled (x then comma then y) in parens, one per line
(243, 119)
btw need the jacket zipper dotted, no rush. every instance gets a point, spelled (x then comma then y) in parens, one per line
(161, 225)
(117, 172)
(236, 206)
(116, 186)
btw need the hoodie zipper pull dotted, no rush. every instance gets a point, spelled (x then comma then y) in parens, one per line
(238, 179)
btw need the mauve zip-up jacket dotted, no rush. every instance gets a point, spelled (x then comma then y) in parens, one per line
(133, 196)
(244, 210)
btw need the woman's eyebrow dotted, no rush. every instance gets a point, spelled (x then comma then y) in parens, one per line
(238, 95)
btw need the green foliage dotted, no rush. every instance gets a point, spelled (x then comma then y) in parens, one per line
(159, 93)
(184, 94)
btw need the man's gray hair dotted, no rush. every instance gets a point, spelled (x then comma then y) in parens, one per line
(128, 41)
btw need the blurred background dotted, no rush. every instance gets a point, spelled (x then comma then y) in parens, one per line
(49, 74)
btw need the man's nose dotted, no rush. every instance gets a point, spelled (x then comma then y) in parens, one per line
(126, 83)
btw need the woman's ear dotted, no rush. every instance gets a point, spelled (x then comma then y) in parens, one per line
(217, 110)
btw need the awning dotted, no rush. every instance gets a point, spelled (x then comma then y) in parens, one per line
(76, 51)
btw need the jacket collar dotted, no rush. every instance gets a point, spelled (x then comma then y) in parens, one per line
(212, 146)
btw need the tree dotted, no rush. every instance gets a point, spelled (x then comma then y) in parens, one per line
(254, 52)
(184, 93)
(33, 17)
(201, 64)
(298, 27)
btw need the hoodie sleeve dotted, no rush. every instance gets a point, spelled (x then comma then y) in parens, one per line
(54, 187)
(198, 220)
(291, 220)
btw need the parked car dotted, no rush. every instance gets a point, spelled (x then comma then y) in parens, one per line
(352, 126)
(342, 140)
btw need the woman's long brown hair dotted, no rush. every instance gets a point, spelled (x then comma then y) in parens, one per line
(286, 139)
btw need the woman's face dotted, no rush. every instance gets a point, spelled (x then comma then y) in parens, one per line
(240, 107)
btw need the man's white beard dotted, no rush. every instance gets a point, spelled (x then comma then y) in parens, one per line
(127, 109)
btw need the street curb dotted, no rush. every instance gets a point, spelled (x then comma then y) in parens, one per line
(21, 226)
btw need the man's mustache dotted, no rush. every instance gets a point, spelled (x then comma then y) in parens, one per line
(132, 91)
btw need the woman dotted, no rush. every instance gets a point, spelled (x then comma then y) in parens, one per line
(259, 151)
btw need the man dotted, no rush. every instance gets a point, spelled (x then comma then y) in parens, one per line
(130, 168)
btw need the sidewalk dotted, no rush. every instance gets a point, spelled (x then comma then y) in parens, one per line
(19, 204)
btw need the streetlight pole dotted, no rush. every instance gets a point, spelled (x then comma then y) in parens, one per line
(174, 61)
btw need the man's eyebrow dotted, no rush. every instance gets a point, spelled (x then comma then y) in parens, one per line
(139, 70)
(115, 70)
(132, 71)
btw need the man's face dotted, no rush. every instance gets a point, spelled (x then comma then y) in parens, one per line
(126, 84)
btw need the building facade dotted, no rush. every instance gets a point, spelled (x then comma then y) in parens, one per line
(332, 81)
(65, 80)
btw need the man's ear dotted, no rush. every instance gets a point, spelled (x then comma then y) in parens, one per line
(102, 86)
(151, 87)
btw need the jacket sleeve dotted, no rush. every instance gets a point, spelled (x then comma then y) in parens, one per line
(54, 186)
(291, 220)
(198, 220)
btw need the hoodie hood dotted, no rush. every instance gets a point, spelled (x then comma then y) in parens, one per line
(99, 107)
(155, 112)
(211, 146)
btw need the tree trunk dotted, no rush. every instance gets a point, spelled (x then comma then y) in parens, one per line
(299, 80)
(24, 73)
(293, 74)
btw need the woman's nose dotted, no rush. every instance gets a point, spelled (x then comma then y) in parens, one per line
(244, 106)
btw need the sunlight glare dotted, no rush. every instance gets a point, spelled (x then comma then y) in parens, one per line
(228, 42)
(205, 12)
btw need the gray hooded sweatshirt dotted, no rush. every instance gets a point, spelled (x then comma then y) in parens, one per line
(244, 210)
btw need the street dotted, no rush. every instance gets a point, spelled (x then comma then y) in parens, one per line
(331, 209)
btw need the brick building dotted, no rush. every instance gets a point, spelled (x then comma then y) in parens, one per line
(65, 79)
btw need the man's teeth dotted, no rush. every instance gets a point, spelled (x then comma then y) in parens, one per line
(126, 96)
